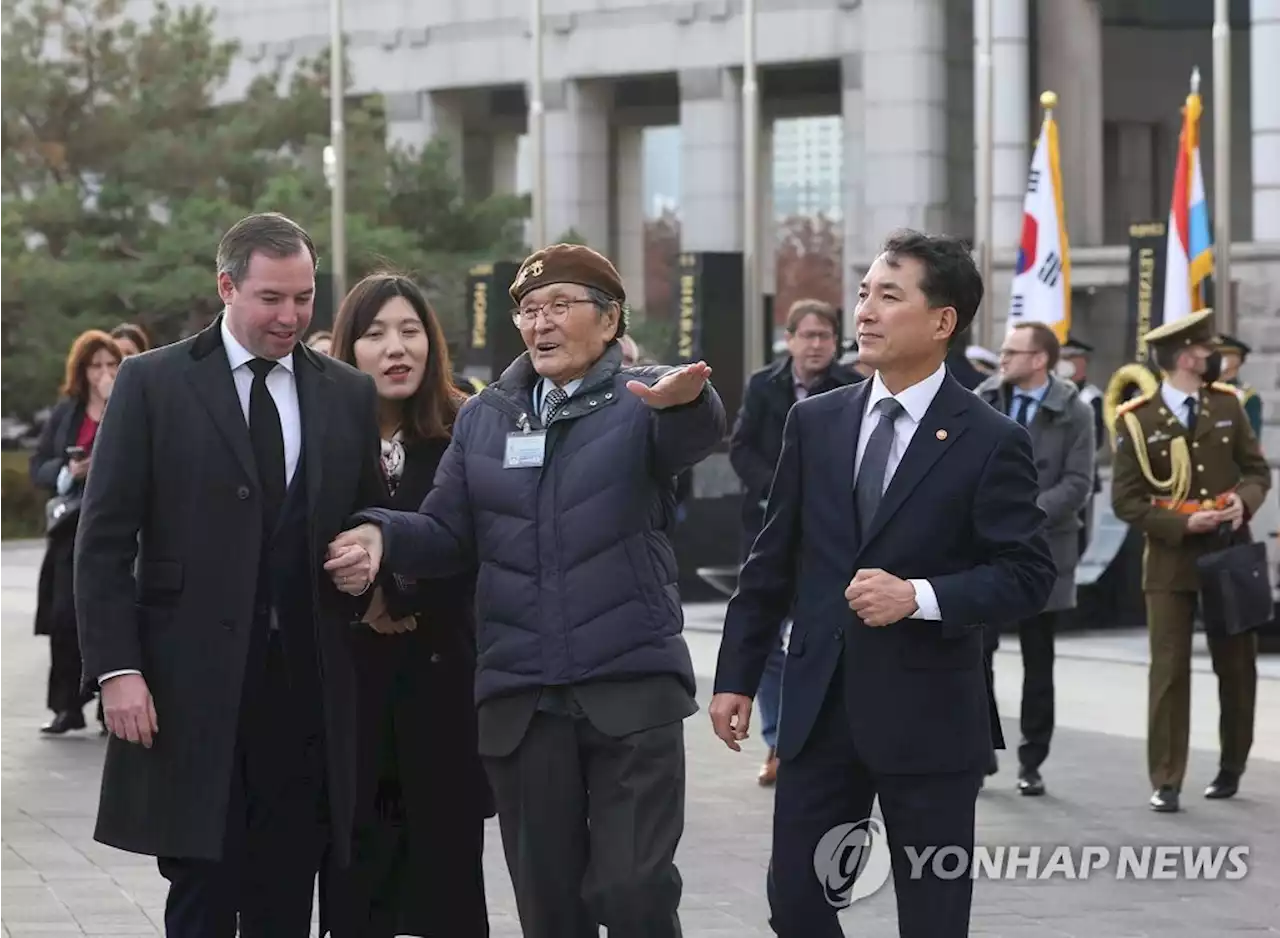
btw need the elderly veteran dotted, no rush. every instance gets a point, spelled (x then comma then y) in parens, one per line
(559, 485)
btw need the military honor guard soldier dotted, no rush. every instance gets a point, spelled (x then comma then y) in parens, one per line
(1186, 464)
(1234, 353)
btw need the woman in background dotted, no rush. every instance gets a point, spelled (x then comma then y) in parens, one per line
(422, 795)
(59, 466)
(131, 339)
(321, 341)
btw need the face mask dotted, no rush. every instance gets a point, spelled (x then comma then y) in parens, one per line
(1213, 367)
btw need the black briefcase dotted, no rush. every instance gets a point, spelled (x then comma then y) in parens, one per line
(1235, 589)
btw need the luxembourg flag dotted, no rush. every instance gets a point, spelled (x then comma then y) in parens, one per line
(1189, 249)
(1042, 277)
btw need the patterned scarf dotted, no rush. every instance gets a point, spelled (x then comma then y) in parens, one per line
(393, 460)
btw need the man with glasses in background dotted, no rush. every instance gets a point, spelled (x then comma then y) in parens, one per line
(808, 368)
(1061, 428)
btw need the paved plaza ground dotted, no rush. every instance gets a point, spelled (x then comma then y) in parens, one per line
(55, 881)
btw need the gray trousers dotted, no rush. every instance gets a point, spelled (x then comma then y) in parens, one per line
(590, 825)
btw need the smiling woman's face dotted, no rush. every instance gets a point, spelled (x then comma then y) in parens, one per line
(394, 350)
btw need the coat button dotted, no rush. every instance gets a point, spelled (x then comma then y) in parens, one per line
(592, 403)
(228, 625)
(242, 492)
(609, 396)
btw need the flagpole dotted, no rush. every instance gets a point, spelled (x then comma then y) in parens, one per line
(983, 222)
(537, 137)
(1224, 308)
(752, 302)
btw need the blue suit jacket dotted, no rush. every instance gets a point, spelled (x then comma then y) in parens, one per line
(960, 511)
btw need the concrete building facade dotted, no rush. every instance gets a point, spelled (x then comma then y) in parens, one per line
(899, 74)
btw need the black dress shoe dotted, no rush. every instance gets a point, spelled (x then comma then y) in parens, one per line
(64, 722)
(1030, 783)
(1165, 799)
(1224, 786)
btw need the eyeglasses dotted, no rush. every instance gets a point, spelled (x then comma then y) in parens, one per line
(556, 311)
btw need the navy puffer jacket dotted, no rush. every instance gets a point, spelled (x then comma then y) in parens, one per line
(576, 573)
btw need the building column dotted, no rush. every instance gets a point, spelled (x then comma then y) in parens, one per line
(577, 164)
(905, 84)
(506, 163)
(710, 160)
(1010, 118)
(1069, 56)
(858, 247)
(1264, 112)
(414, 118)
(631, 212)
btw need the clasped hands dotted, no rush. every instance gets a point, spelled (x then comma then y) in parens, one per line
(353, 560)
(1205, 522)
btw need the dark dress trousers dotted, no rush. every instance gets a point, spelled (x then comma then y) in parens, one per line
(422, 793)
(240, 636)
(899, 712)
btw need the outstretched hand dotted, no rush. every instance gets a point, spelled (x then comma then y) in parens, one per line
(681, 386)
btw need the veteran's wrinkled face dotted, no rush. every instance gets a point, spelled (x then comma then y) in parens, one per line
(394, 350)
(564, 330)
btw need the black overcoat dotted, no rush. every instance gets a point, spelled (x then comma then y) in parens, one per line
(174, 483)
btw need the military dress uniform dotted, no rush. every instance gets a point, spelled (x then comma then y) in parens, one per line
(1249, 398)
(1164, 471)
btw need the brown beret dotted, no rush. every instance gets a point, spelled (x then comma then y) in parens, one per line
(568, 263)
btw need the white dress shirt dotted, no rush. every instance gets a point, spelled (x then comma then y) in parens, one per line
(283, 390)
(915, 400)
(1176, 401)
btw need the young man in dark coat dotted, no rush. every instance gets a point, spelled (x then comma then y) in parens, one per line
(224, 465)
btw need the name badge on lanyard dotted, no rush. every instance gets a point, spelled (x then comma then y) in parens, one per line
(526, 448)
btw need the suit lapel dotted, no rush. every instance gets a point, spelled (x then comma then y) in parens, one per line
(314, 386)
(942, 425)
(845, 447)
(210, 376)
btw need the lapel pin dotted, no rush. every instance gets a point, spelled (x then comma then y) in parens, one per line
(941, 434)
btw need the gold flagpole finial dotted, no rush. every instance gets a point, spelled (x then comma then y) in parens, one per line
(1049, 100)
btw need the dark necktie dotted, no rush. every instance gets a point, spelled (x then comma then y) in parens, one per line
(1024, 407)
(268, 440)
(1191, 414)
(875, 460)
(552, 402)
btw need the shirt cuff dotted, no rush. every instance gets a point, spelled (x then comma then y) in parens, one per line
(102, 679)
(63, 484)
(926, 601)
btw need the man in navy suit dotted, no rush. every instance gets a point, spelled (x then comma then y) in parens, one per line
(902, 517)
